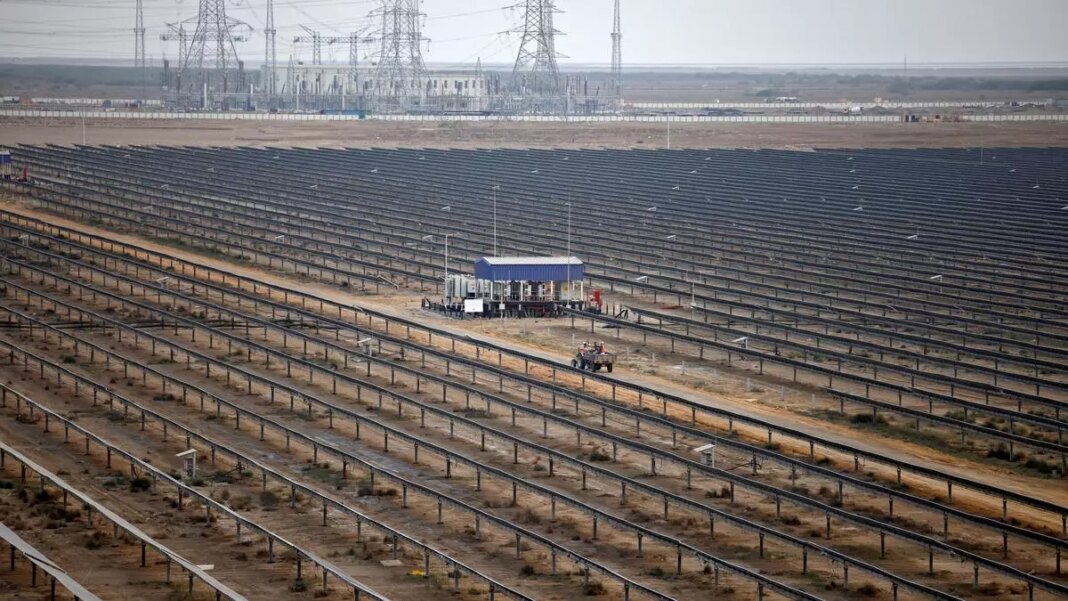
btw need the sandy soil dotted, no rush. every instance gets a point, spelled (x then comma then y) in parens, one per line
(517, 134)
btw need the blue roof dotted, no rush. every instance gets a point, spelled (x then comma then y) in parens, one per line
(529, 269)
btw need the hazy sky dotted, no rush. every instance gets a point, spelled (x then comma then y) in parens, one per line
(655, 31)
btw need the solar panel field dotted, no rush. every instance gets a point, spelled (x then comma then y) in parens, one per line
(874, 341)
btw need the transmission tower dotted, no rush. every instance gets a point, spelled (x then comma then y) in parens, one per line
(316, 42)
(211, 52)
(139, 37)
(536, 73)
(270, 58)
(400, 78)
(140, 62)
(354, 60)
(178, 34)
(617, 55)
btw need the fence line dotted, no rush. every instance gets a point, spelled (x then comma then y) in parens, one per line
(251, 116)
(987, 104)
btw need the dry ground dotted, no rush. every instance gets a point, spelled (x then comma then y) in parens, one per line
(578, 134)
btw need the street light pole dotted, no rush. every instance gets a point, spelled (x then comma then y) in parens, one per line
(569, 295)
(495, 188)
(446, 268)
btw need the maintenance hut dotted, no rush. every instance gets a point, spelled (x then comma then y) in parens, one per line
(517, 287)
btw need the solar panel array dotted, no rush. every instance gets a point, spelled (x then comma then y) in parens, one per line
(923, 284)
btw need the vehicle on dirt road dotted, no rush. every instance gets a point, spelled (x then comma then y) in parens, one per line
(592, 356)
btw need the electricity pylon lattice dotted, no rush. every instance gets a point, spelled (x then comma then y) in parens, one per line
(270, 58)
(139, 37)
(178, 34)
(617, 55)
(316, 40)
(400, 78)
(536, 73)
(354, 59)
(211, 52)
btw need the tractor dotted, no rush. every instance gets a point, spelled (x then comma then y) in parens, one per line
(592, 356)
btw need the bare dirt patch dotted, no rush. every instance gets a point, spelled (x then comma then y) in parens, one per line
(513, 134)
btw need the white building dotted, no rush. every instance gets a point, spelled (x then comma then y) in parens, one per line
(313, 85)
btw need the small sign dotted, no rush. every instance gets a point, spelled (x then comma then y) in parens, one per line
(473, 305)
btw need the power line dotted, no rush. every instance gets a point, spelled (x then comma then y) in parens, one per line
(617, 53)
(139, 37)
(271, 50)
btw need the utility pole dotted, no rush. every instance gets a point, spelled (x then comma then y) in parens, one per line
(270, 58)
(617, 55)
(569, 285)
(495, 188)
(906, 75)
(446, 267)
(139, 44)
(354, 62)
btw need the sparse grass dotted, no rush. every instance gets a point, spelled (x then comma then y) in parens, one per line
(657, 572)
(598, 455)
(723, 493)
(960, 415)
(594, 589)
(118, 481)
(790, 519)
(529, 516)
(1041, 466)
(867, 418)
(95, 540)
(268, 500)
(868, 590)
